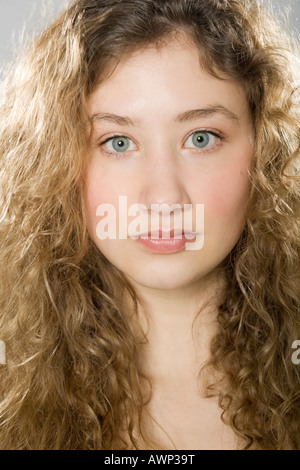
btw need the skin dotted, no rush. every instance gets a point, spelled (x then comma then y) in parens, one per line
(153, 88)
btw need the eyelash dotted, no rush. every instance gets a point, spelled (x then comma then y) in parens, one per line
(118, 155)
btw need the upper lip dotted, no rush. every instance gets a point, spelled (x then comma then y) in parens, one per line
(172, 233)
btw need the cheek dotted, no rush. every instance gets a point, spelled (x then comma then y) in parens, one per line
(226, 194)
(91, 199)
(96, 192)
(230, 193)
(99, 189)
(102, 187)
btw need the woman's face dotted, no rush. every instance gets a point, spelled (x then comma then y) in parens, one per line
(166, 132)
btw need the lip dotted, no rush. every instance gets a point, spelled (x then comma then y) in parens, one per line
(160, 241)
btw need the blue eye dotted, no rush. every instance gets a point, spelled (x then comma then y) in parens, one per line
(117, 145)
(201, 140)
(120, 144)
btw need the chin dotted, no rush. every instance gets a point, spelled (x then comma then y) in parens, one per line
(163, 280)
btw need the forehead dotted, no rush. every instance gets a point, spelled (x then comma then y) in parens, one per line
(170, 76)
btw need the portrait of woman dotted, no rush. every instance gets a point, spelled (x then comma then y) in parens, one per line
(165, 338)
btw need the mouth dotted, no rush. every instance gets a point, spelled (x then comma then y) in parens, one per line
(165, 234)
(162, 241)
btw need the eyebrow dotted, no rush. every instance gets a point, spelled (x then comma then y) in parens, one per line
(207, 112)
(190, 115)
(114, 118)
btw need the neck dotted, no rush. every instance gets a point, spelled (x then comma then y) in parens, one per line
(179, 325)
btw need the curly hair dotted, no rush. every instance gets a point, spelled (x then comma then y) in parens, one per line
(72, 376)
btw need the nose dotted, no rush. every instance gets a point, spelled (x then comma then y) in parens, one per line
(163, 182)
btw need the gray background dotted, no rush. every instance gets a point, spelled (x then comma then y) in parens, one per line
(24, 18)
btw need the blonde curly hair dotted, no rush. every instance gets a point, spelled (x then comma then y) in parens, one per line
(72, 377)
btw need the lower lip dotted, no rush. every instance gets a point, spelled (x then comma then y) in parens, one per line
(164, 245)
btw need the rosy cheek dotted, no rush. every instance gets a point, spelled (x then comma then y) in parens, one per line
(227, 193)
(99, 190)
(93, 197)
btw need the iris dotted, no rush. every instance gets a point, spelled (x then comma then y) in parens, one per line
(120, 144)
(200, 139)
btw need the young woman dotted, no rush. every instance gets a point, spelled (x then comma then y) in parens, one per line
(165, 338)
